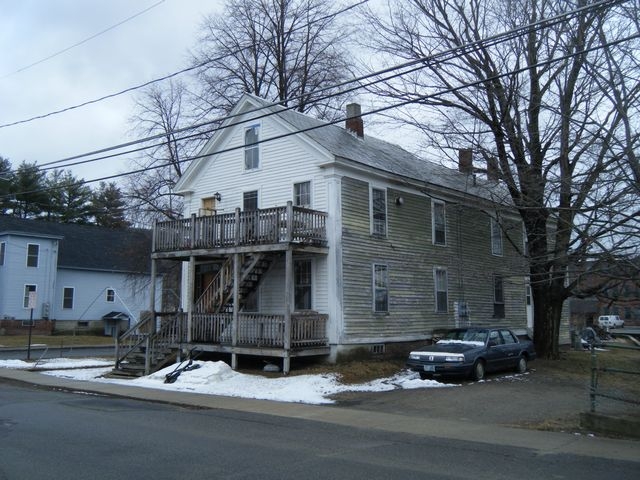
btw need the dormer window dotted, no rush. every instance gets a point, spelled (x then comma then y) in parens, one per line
(252, 148)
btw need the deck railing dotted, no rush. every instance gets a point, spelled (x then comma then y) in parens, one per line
(264, 226)
(260, 330)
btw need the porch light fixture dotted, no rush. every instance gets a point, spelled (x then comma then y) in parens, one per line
(399, 201)
(217, 196)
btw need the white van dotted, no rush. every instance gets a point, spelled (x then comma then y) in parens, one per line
(610, 321)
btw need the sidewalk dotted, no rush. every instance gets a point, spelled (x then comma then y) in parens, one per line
(543, 443)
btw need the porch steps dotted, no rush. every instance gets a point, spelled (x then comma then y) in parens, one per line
(134, 366)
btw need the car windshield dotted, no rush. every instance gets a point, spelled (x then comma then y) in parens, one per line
(466, 336)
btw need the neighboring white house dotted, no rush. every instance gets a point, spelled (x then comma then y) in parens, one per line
(79, 277)
(303, 238)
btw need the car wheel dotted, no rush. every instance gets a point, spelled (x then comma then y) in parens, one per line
(478, 370)
(521, 367)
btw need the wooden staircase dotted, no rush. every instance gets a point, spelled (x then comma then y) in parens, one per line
(141, 351)
(218, 296)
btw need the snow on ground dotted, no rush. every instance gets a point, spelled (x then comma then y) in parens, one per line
(217, 378)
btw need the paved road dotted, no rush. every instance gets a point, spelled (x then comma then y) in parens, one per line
(48, 434)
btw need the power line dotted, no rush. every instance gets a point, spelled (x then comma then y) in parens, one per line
(81, 42)
(413, 65)
(371, 112)
(166, 77)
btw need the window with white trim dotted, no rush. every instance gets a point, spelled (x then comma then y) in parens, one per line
(33, 252)
(252, 148)
(380, 288)
(250, 201)
(111, 295)
(379, 212)
(27, 290)
(441, 290)
(302, 284)
(67, 297)
(302, 194)
(439, 223)
(496, 237)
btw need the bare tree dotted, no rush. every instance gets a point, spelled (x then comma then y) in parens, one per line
(160, 114)
(543, 109)
(281, 50)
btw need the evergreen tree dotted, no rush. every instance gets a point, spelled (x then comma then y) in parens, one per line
(29, 191)
(6, 180)
(69, 199)
(108, 206)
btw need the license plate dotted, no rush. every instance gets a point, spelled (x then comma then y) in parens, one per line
(429, 368)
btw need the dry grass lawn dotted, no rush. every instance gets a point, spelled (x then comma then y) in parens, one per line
(54, 340)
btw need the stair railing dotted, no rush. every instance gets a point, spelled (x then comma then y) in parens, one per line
(133, 338)
(170, 334)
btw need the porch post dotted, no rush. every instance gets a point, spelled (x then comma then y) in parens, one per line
(236, 308)
(190, 294)
(288, 308)
(152, 289)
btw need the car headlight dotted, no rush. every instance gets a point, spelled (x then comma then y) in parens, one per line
(454, 358)
(414, 356)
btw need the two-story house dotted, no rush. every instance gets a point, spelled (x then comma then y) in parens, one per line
(73, 277)
(305, 238)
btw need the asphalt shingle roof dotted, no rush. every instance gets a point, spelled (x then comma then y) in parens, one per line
(379, 154)
(89, 247)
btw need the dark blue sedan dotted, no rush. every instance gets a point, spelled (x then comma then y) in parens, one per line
(471, 352)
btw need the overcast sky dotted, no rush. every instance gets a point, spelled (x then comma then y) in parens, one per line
(148, 46)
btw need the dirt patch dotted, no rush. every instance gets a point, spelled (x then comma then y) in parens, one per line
(550, 396)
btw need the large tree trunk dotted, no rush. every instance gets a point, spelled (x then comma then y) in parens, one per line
(547, 305)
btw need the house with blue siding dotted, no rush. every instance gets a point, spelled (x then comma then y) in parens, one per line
(73, 277)
(303, 238)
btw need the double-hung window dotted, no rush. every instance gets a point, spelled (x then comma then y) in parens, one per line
(28, 289)
(441, 290)
(111, 295)
(67, 297)
(33, 252)
(496, 237)
(302, 194)
(379, 212)
(302, 284)
(252, 148)
(439, 223)
(498, 297)
(380, 288)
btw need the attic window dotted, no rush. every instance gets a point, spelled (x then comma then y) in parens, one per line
(251, 148)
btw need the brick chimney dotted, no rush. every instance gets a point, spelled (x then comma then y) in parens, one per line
(493, 170)
(465, 160)
(354, 122)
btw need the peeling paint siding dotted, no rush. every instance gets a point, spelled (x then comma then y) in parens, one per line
(411, 257)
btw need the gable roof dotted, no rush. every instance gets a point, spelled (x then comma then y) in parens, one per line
(88, 247)
(368, 152)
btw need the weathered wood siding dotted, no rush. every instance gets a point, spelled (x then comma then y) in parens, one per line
(411, 257)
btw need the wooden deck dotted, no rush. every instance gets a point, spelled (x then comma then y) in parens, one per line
(279, 226)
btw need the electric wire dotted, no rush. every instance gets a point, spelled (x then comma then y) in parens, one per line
(60, 52)
(340, 120)
(165, 77)
(417, 64)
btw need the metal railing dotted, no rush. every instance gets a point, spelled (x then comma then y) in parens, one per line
(596, 391)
